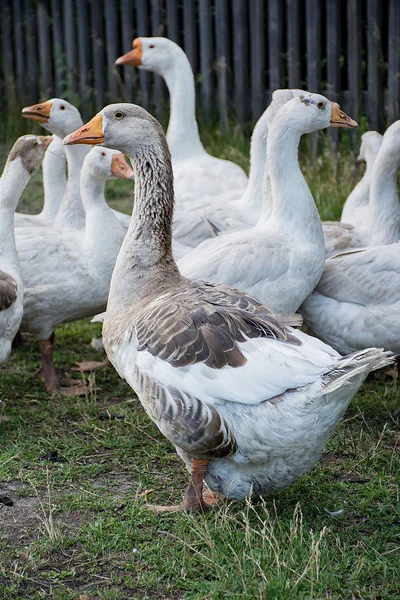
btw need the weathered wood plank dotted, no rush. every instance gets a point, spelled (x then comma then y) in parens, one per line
(112, 53)
(98, 55)
(31, 52)
(206, 48)
(8, 54)
(293, 43)
(46, 88)
(333, 12)
(82, 19)
(58, 47)
(172, 18)
(127, 26)
(353, 56)
(394, 62)
(275, 44)
(374, 65)
(222, 60)
(257, 57)
(190, 32)
(157, 29)
(313, 45)
(240, 59)
(19, 47)
(69, 38)
(142, 20)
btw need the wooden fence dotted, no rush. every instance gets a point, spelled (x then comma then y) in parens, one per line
(240, 51)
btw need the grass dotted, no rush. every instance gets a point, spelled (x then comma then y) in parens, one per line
(79, 472)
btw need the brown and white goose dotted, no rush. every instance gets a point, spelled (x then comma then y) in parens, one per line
(247, 401)
(24, 160)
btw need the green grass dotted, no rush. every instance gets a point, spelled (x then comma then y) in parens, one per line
(79, 528)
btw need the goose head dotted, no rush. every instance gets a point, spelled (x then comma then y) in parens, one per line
(312, 112)
(124, 127)
(55, 115)
(104, 163)
(156, 54)
(371, 141)
(29, 150)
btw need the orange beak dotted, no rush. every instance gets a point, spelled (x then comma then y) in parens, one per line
(340, 119)
(46, 140)
(120, 167)
(38, 112)
(91, 133)
(134, 57)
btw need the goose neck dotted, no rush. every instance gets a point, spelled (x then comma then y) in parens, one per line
(54, 181)
(252, 198)
(183, 133)
(12, 184)
(71, 212)
(384, 201)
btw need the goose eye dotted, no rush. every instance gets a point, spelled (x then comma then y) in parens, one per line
(118, 115)
(103, 153)
(320, 104)
(151, 46)
(35, 143)
(62, 107)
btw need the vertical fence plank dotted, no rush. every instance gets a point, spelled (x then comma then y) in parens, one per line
(31, 54)
(82, 19)
(333, 12)
(69, 37)
(394, 62)
(257, 57)
(190, 32)
(353, 59)
(206, 45)
(374, 92)
(98, 55)
(240, 59)
(293, 42)
(142, 21)
(313, 44)
(110, 14)
(157, 28)
(275, 45)
(58, 47)
(222, 60)
(19, 50)
(8, 54)
(173, 20)
(127, 23)
(44, 50)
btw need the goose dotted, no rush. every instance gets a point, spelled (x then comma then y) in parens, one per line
(357, 301)
(383, 208)
(61, 117)
(355, 209)
(67, 272)
(247, 400)
(24, 160)
(196, 173)
(54, 185)
(280, 260)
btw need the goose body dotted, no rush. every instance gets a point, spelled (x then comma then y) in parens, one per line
(281, 259)
(195, 171)
(247, 401)
(383, 219)
(23, 161)
(67, 272)
(356, 304)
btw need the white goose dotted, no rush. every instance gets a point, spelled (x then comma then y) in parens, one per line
(247, 401)
(281, 259)
(357, 302)
(355, 209)
(196, 173)
(60, 117)
(66, 273)
(23, 161)
(54, 185)
(383, 209)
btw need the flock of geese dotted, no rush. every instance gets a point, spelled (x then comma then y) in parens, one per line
(201, 285)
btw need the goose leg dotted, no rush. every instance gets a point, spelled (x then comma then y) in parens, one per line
(198, 497)
(48, 373)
